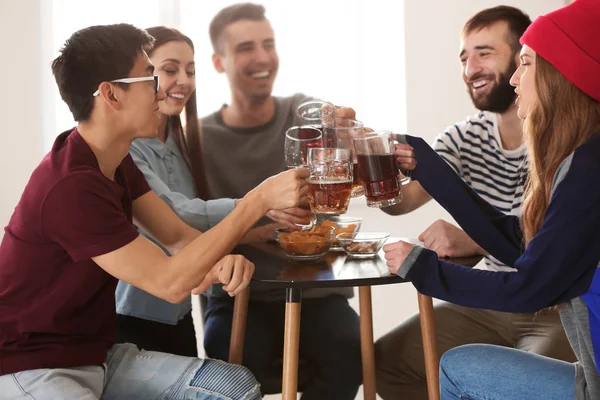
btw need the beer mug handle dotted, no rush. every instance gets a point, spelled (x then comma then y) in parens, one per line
(400, 138)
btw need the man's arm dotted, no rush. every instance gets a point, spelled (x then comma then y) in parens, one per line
(413, 197)
(495, 232)
(142, 264)
(448, 240)
(153, 216)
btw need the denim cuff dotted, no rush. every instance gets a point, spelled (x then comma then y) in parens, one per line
(216, 210)
(409, 261)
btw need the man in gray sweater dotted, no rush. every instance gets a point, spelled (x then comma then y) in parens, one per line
(243, 144)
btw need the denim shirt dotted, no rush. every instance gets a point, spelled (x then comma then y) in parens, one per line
(168, 175)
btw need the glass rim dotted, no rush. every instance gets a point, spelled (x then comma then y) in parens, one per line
(299, 127)
(364, 235)
(322, 102)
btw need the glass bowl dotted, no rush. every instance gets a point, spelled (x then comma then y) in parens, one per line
(305, 245)
(362, 244)
(341, 224)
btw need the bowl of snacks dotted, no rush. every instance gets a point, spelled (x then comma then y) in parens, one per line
(362, 244)
(340, 224)
(305, 245)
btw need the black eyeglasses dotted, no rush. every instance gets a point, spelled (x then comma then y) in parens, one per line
(133, 80)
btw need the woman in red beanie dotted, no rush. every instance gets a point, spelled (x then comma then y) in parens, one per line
(555, 245)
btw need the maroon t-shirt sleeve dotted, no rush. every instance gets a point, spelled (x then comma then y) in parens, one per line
(136, 180)
(84, 214)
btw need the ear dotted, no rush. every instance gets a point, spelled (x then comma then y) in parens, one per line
(109, 95)
(217, 60)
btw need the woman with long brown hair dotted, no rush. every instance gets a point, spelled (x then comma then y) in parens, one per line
(173, 167)
(554, 245)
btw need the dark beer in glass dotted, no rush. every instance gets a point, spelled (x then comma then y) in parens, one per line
(377, 168)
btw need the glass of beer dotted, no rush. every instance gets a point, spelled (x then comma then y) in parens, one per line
(315, 113)
(330, 180)
(378, 170)
(343, 131)
(298, 139)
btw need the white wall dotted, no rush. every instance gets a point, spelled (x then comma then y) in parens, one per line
(436, 98)
(21, 102)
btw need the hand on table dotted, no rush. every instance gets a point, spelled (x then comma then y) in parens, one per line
(448, 240)
(395, 254)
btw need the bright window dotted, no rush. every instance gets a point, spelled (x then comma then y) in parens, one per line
(350, 52)
(69, 16)
(359, 61)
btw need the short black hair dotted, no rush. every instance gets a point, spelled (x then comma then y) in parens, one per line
(94, 55)
(517, 21)
(229, 15)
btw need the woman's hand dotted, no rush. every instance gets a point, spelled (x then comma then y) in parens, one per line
(395, 254)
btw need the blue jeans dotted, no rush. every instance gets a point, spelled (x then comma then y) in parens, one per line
(133, 374)
(329, 340)
(487, 372)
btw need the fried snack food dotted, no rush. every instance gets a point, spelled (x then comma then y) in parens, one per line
(305, 243)
(336, 228)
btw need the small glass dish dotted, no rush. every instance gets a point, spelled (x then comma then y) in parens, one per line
(362, 244)
(341, 224)
(304, 245)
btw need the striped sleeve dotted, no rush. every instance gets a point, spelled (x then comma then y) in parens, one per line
(448, 145)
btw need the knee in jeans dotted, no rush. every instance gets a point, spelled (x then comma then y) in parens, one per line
(461, 358)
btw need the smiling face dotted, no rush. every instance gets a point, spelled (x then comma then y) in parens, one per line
(488, 62)
(249, 59)
(524, 82)
(174, 62)
(139, 103)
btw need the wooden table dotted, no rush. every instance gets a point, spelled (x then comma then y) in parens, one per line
(274, 270)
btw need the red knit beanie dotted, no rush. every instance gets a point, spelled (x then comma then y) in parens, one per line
(569, 39)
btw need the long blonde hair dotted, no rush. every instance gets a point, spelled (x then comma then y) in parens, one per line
(562, 119)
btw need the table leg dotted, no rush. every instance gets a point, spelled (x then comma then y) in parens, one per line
(366, 342)
(291, 344)
(432, 362)
(238, 326)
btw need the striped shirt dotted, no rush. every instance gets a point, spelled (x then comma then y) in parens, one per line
(473, 148)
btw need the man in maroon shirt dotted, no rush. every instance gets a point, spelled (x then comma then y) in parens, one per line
(71, 238)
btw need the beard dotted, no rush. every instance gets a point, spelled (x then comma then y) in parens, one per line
(502, 95)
